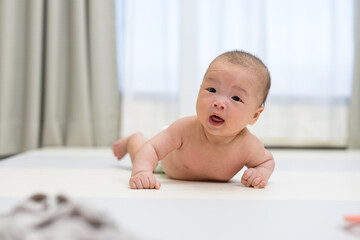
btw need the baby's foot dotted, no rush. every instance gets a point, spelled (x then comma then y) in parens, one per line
(120, 148)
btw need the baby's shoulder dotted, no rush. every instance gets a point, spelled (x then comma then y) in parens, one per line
(183, 124)
(251, 142)
(255, 150)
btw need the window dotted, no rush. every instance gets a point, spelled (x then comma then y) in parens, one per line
(166, 47)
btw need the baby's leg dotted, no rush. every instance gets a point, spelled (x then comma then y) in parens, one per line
(130, 144)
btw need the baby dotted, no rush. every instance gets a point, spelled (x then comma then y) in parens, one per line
(215, 144)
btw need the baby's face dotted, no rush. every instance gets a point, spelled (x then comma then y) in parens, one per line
(229, 99)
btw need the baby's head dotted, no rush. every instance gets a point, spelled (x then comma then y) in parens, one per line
(233, 92)
(252, 63)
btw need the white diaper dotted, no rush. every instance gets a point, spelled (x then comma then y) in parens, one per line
(159, 168)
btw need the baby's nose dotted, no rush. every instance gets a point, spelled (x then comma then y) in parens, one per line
(220, 105)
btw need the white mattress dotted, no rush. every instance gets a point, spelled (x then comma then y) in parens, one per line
(306, 198)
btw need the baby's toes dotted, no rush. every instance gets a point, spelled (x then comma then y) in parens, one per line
(114, 148)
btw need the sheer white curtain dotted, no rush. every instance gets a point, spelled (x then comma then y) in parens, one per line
(307, 45)
(150, 76)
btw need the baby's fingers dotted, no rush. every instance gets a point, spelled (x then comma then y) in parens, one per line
(138, 183)
(258, 182)
(154, 184)
(248, 173)
(244, 182)
(248, 177)
(262, 184)
(132, 184)
(144, 181)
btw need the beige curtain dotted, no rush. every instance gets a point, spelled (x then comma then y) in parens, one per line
(58, 75)
(354, 113)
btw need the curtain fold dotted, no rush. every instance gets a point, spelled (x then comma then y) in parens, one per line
(20, 74)
(58, 74)
(354, 112)
(103, 72)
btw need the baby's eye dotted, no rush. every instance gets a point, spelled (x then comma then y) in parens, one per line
(212, 90)
(236, 99)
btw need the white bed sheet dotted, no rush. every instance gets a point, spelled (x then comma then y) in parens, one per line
(309, 190)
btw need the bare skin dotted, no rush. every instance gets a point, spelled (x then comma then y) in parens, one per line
(353, 218)
(213, 145)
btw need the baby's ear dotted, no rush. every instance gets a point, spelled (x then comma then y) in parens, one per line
(256, 115)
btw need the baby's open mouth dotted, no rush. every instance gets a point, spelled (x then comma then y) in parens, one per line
(216, 120)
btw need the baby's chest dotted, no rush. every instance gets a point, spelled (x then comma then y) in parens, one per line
(213, 162)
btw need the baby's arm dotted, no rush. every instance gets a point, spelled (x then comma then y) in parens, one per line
(142, 176)
(260, 167)
(146, 158)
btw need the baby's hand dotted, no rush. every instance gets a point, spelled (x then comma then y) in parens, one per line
(144, 180)
(253, 178)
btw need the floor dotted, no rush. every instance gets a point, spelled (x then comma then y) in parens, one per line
(306, 198)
